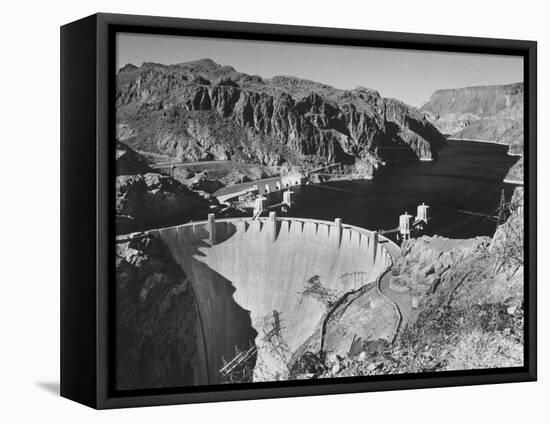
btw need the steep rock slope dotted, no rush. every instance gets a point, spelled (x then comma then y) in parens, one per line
(492, 113)
(157, 320)
(480, 101)
(486, 113)
(128, 162)
(202, 110)
(504, 127)
(145, 198)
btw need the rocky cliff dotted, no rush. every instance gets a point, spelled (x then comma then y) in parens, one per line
(481, 101)
(486, 113)
(202, 110)
(157, 320)
(129, 162)
(146, 199)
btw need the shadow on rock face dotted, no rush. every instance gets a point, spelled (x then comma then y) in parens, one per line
(166, 335)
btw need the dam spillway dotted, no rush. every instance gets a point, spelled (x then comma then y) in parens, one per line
(243, 269)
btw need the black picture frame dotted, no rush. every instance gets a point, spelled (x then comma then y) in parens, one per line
(87, 222)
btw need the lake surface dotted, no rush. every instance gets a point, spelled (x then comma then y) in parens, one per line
(466, 178)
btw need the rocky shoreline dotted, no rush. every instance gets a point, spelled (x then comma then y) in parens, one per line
(485, 114)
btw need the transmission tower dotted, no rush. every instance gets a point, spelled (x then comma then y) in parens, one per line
(502, 210)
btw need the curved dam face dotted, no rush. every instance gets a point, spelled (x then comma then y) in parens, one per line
(242, 270)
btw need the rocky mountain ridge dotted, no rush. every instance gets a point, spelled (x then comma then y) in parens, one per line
(205, 111)
(492, 113)
(482, 101)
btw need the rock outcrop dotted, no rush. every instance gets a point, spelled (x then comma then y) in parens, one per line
(157, 320)
(205, 111)
(479, 102)
(506, 127)
(202, 183)
(485, 113)
(155, 200)
(146, 199)
(516, 172)
(128, 162)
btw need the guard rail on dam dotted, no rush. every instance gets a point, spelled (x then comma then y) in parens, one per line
(242, 270)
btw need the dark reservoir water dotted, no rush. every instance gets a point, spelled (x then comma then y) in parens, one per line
(466, 178)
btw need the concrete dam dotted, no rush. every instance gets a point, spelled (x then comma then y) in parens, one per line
(243, 269)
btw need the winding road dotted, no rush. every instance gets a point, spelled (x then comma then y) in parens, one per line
(400, 300)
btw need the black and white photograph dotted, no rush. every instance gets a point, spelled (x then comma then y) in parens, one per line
(299, 211)
(269, 212)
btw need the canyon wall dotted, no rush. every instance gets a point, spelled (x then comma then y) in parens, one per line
(158, 332)
(145, 198)
(205, 111)
(485, 113)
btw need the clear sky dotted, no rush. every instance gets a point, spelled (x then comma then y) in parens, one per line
(408, 75)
